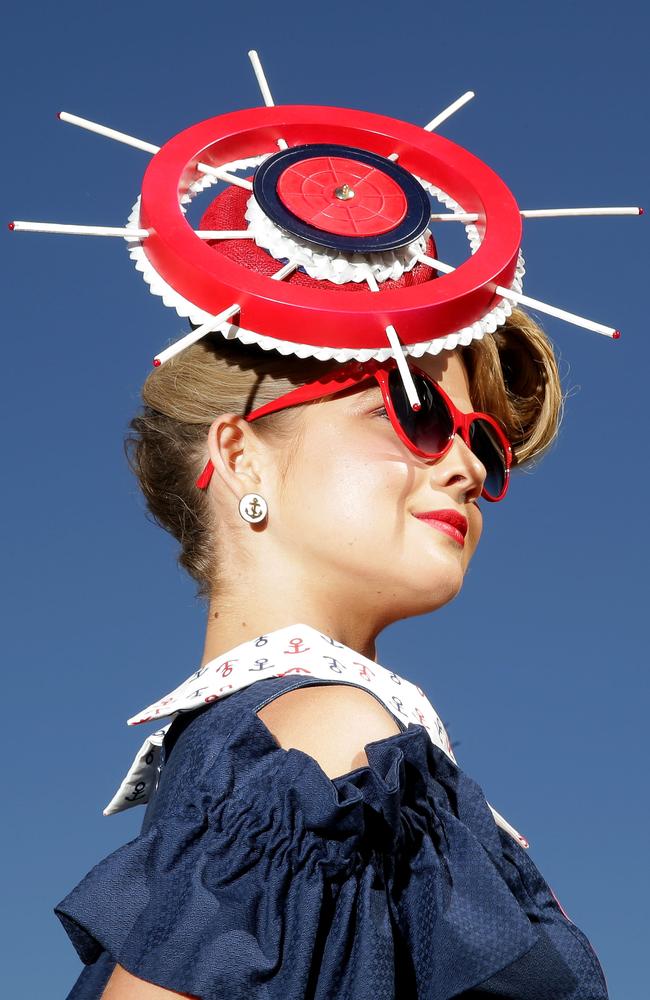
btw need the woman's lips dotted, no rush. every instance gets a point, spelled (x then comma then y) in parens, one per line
(449, 522)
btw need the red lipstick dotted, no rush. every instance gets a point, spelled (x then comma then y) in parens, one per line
(448, 521)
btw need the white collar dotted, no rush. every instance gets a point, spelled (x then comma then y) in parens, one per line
(294, 649)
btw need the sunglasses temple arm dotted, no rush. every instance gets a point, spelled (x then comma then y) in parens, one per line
(323, 386)
(204, 479)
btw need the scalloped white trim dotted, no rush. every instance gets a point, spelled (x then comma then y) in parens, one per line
(495, 318)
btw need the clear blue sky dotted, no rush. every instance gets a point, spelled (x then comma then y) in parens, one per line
(540, 667)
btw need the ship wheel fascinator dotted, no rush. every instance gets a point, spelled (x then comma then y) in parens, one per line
(322, 243)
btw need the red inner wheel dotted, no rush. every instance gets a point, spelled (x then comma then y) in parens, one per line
(341, 195)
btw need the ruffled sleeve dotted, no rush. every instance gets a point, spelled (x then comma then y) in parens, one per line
(258, 876)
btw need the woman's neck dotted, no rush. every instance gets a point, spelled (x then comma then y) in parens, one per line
(229, 626)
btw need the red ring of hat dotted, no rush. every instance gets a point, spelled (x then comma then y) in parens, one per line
(310, 315)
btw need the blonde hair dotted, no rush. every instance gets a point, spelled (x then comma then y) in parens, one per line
(512, 374)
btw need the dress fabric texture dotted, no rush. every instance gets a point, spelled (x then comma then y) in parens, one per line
(257, 876)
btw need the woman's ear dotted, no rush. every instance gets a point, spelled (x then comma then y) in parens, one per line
(234, 450)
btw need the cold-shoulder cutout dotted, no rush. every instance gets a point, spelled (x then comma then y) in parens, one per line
(332, 723)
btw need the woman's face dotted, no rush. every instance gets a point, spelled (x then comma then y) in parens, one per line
(346, 517)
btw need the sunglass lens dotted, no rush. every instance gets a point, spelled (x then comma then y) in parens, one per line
(489, 450)
(428, 428)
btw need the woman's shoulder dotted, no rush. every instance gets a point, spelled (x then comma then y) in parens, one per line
(216, 743)
(221, 744)
(203, 730)
(280, 700)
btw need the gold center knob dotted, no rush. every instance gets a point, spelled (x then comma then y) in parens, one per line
(344, 193)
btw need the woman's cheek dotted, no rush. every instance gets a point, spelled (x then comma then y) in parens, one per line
(363, 502)
(333, 494)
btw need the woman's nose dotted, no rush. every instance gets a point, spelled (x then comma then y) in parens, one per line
(460, 469)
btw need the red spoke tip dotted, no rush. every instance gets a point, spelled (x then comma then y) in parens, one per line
(616, 334)
(11, 225)
(417, 406)
(156, 362)
(58, 115)
(642, 211)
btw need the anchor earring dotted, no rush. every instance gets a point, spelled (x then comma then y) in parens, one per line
(253, 508)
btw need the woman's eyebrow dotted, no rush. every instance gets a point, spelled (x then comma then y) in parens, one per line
(362, 390)
(367, 389)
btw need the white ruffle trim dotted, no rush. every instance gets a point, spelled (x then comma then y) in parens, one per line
(495, 318)
(330, 265)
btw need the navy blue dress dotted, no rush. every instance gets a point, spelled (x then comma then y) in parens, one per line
(257, 877)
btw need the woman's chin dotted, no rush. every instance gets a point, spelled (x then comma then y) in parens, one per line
(430, 584)
(441, 581)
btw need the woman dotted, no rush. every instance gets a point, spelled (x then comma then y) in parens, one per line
(310, 833)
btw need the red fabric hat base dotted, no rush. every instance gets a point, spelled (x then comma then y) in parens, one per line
(227, 212)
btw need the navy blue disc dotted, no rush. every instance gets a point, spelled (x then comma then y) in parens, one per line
(315, 201)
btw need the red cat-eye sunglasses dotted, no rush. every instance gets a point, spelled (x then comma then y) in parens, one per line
(428, 430)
